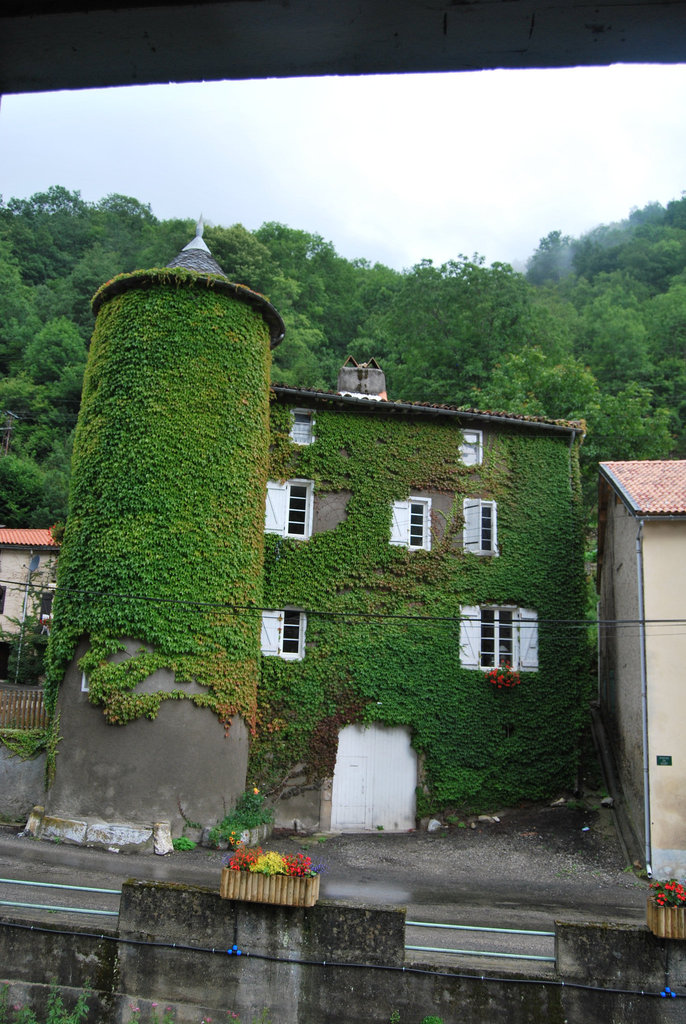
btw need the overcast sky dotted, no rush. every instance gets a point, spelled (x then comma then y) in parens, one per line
(389, 168)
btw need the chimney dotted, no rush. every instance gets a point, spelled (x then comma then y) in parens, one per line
(362, 380)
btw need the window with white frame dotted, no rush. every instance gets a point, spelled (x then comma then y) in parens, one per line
(302, 426)
(480, 533)
(472, 447)
(289, 508)
(411, 523)
(491, 635)
(283, 633)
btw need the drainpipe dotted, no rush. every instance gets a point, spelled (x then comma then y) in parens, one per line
(644, 697)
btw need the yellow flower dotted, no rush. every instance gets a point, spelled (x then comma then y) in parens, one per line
(270, 863)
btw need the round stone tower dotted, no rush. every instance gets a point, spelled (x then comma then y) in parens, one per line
(154, 652)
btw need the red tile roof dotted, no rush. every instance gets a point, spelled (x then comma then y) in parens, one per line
(27, 538)
(652, 488)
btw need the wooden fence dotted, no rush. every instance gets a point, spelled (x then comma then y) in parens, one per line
(22, 707)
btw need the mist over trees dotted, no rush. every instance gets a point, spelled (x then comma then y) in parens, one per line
(595, 329)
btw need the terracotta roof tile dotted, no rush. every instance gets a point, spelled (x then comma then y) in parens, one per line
(654, 488)
(27, 538)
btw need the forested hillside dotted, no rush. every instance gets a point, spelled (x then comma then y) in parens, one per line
(596, 328)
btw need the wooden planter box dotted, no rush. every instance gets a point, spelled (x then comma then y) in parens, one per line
(284, 890)
(666, 922)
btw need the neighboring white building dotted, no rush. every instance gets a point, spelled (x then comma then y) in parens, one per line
(25, 590)
(642, 648)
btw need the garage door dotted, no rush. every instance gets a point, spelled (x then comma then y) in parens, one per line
(374, 780)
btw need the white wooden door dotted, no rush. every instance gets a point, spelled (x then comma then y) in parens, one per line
(374, 780)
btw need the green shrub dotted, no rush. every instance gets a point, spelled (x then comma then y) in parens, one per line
(248, 813)
(183, 843)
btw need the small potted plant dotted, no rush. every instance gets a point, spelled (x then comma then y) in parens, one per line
(666, 912)
(503, 677)
(260, 876)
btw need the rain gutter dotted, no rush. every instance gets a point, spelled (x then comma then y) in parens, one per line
(374, 405)
(644, 697)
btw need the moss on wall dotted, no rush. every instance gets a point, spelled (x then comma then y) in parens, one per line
(383, 622)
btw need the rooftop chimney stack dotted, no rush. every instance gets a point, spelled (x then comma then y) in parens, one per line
(362, 380)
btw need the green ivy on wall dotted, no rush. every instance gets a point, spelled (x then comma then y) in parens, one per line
(164, 540)
(383, 622)
(165, 546)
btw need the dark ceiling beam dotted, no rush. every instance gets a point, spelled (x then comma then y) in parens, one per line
(72, 45)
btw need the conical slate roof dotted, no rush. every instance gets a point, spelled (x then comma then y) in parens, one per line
(196, 256)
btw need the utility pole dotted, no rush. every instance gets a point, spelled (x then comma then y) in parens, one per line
(7, 432)
(32, 566)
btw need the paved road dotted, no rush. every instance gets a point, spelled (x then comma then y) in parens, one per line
(524, 872)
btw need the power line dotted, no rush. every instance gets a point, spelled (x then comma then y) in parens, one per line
(369, 615)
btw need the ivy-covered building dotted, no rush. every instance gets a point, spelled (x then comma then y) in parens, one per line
(360, 605)
(410, 550)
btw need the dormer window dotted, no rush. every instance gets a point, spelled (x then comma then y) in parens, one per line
(302, 426)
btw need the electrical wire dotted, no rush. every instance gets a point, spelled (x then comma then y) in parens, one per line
(367, 615)
(184, 947)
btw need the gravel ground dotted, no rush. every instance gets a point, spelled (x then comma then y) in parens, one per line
(537, 860)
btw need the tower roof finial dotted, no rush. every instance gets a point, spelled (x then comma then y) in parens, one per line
(198, 242)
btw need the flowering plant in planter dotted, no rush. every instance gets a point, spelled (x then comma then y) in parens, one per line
(668, 894)
(503, 677)
(256, 860)
(260, 876)
(666, 911)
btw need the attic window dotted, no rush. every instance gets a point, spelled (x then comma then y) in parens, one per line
(472, 447)
(302, 429)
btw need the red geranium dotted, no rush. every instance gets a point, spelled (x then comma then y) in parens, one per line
(668, 894)
(503, 677)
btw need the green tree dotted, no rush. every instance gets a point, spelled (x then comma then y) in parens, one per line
(552, 260)
(446, 327)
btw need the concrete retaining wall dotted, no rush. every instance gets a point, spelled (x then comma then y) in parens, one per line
(22, 784)
(335, 963)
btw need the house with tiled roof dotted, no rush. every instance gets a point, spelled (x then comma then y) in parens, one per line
(642, 649)
(28, 562)
(358, 605)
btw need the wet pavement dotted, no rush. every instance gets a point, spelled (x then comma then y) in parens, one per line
(535, 865)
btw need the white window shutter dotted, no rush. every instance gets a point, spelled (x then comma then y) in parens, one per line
(400, 524)
(276, 511)
(270, 641)
(528, 639)
(470, 636)
(494, 526)
(471, 534)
